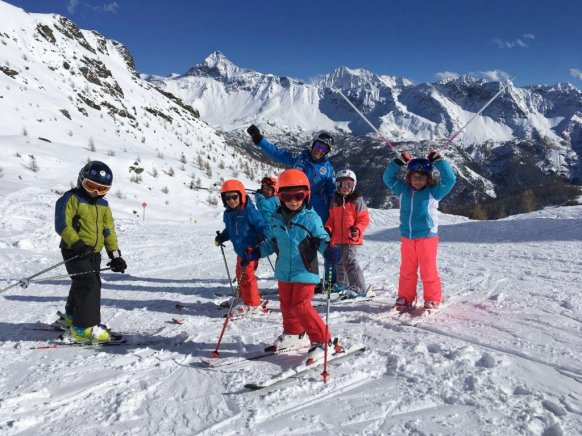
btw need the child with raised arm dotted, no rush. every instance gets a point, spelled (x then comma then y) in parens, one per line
(419, 197)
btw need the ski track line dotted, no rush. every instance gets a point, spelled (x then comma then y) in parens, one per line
(302, 403)
(499, 349)
(247, 415)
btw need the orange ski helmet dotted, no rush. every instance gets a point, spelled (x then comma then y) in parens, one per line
(293, 180)
(233, 185)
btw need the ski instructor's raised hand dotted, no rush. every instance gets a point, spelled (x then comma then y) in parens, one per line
(255, 134)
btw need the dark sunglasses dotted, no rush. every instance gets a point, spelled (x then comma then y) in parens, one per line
(290, 196)
(321, 147)
(231, 197)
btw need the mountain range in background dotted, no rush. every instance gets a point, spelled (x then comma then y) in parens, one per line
(522, 153)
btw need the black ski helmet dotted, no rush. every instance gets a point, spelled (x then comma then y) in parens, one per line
(96, 171)
(324, 138)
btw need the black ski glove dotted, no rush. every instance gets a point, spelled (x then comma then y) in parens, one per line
(218, 240)
(118, 265)
(255, 134)
(402, 158)
(81, 249)
(433, 156)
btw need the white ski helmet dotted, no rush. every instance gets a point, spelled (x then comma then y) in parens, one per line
(345, 174)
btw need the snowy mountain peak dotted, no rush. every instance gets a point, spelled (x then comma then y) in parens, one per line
(218, 60)
(216, 65)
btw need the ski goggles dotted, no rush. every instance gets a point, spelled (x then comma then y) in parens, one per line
(321, 146)
(231, 197)
(91, 186)
(422, 165)
(292, 196)
(345, 183)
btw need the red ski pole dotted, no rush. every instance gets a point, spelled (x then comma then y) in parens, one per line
(215, 353)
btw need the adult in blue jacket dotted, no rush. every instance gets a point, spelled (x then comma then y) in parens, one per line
(312, 161)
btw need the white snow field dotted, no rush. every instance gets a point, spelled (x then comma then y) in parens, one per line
(501, 358)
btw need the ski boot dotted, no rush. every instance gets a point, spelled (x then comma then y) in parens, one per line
(289, 342)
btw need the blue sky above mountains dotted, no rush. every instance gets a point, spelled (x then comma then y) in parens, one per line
(422, 40)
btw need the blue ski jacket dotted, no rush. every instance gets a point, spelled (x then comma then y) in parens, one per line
(245, 227)
(320, 174)
(296, 241)
(418, 209)
(266, 206)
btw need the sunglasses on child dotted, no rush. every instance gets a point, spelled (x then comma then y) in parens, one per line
(290, 196)
(232, 197)
(91, 186)
(324, 148)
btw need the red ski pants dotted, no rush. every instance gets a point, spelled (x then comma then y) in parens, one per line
(415, 253)
(298, 314)
(248, 290)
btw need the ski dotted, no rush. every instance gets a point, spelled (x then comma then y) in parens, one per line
(344, 301)
(43, 327)
(413, 316)
(302, 368)
(217, 361)
(64, 341)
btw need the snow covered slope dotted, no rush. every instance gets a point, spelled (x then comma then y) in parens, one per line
(501, 358)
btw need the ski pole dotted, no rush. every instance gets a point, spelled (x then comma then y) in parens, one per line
(328, 286)
(226, 266)
(271, 263)
(215, 353)
(24, 281)
(67, 275)
(474, 116)
(369, 123)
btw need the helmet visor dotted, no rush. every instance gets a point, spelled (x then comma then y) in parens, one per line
(91, 186)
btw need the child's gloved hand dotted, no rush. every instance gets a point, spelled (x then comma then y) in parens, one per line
(117, 264)
(354, 232)
(402, 158)
(433, 156)
(332, 254)
(218, 240)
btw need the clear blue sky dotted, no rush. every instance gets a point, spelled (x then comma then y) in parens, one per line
(535, 41)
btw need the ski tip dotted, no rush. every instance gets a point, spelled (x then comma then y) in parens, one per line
(253, 386)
